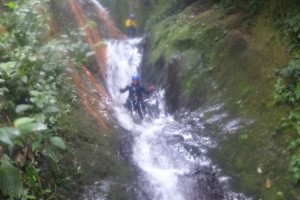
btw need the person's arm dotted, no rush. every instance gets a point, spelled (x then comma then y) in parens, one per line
(134, 24)
(122, 90)
(147, 91)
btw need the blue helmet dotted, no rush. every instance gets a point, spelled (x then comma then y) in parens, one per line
(135, 77)
(132, 16)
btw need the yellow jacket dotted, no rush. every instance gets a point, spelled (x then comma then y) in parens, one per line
(130, 23)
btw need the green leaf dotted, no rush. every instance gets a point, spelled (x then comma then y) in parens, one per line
(296, 28)
(21, 121)
(24, 78)
(47, 191)
(40, 118)
(10, 179)
(23, 107)
(11, 5)
(8, 67)
(36, 146)
(58, 142)
(32, 178)
(51, 154)
(30, 197)
(297, 90)
(8, 134)
(5, 138)
(34, 93)
(32, 127)
(3, 90)
(52, 109)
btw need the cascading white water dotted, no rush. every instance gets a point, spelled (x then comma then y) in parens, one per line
(170, 155)
(165, 151)
(161, 170)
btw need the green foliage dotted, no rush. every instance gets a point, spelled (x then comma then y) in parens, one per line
(10, 179)
(286, 16)
(26, 132)
(248, 8)
(287, 90)
(11, 5)
(287, 86)
(7, 136)
(294, 167)
(293, 121)
(22, 108)
(294, 25)
(32, 74)
(58, 142)
(32, 179)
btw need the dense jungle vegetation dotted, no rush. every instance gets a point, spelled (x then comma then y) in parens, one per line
(36, 94)
(286, 16)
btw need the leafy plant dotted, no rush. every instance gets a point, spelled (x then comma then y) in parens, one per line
(11, 5)
(32, 74)
(294, 167)
(10, 178)
(287, 86)
(294, 25)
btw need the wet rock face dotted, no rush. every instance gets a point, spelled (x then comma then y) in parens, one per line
(173, 87)
(238, 45)
(175, 139)
(204, 185)
(123, 145)
(207, 184)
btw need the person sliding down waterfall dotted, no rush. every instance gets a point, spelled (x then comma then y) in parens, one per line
(131, 26)
(135, 101)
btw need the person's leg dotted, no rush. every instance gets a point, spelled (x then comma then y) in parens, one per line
(138, 109)
(131, 31)
(143, 105)
(128, 105)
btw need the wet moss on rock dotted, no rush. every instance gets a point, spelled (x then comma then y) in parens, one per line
(90, 157)
(207, 57)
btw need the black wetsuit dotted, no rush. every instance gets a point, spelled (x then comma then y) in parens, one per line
(135, 91)
(135, 96)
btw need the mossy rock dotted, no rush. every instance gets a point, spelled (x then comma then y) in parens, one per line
(206, 57)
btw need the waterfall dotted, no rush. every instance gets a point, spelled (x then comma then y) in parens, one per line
(170, 155)
(171, 158)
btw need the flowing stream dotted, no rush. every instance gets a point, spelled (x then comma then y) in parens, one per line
(171, 156)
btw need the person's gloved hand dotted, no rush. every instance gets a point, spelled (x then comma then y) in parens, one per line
(151, 87)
